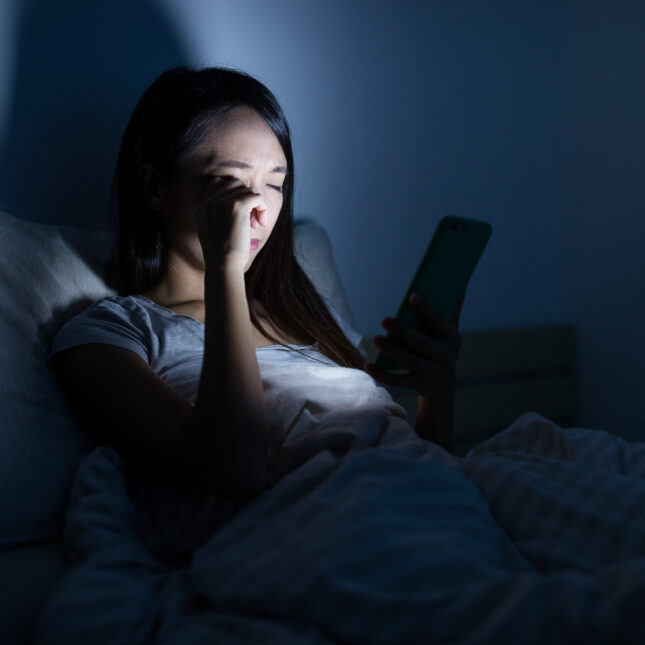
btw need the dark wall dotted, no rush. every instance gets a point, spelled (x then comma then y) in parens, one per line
(79, 69)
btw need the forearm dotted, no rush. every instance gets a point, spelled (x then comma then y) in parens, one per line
(230, 413)
(434, 420)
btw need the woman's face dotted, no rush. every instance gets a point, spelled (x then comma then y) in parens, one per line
(240, 145)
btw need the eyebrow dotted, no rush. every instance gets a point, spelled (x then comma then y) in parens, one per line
(242, 164)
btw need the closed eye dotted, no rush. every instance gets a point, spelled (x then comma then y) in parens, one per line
(278, 188)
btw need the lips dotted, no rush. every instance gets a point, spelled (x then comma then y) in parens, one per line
(255, 243)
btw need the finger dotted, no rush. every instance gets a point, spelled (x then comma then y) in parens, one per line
(260, 214)
(434, 320)
(224, 181)
(232, 192)
(457, 313)
(432, 347)
(403, 357)
(248, 205)
(223, 186)
(249, 201)
(388, 378)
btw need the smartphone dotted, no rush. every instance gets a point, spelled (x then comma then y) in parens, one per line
(443, 274)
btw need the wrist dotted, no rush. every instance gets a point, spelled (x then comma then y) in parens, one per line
(223, 280)
(224, 269)
(225, 291)
(434, 419)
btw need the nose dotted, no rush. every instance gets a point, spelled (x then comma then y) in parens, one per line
(254, 183)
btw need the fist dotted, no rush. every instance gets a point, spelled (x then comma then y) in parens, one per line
(228, 211)
(430, 355)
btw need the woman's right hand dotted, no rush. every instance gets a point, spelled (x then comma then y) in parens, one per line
(228, 210)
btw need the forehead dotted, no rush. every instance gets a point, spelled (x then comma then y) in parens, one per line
(241, 134)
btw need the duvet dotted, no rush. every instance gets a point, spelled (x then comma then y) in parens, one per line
(368, 534)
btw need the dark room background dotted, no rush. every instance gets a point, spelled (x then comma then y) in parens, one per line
(526, 114)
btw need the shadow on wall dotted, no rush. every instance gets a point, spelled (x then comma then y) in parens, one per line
(81, 67)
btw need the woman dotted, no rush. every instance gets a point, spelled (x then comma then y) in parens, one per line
(204, 190)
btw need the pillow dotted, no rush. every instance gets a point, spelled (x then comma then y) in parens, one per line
(312, 249)
(47, 275)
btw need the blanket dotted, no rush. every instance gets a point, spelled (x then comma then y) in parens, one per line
(368, 534)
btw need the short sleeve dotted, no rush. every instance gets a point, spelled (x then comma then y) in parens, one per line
(106, 322)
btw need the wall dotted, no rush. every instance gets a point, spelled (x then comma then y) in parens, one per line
(71, 74)
(8, 19)
(400, 113)
(603, 229)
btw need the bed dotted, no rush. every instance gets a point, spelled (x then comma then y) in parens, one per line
(533, 532)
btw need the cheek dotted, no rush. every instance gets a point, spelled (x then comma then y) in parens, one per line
(275, 210)
(273, 220)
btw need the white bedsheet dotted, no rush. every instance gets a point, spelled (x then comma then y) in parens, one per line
(369, 535)
(303, 388)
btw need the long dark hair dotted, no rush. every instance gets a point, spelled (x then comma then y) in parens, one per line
(169, 120)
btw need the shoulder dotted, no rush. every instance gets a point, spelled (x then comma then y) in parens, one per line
(123, 321)
(135, 304)
(130, 311)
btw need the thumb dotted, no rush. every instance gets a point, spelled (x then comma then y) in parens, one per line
(456, 315)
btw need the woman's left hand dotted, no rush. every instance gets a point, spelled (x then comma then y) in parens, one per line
(432, 356)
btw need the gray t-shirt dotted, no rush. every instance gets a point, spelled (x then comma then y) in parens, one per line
(172, 344)
(304, 391)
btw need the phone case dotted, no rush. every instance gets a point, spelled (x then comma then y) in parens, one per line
(443, 273)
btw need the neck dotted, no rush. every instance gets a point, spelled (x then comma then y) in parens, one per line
(182, 283)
